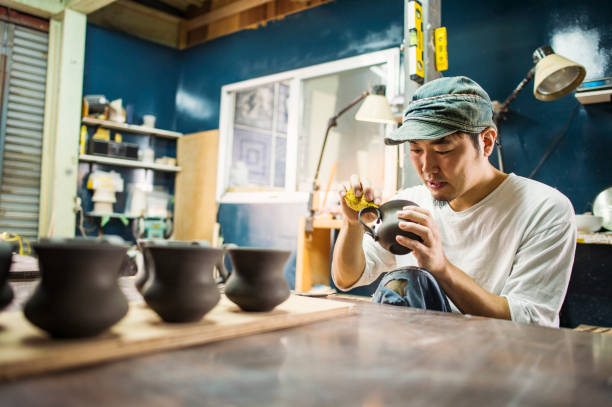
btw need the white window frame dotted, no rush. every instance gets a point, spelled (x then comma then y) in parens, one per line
(295, 78)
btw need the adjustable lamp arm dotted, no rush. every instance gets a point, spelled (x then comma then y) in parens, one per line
(333, 123)
(503, 108)
(315, 186)
(498, 114)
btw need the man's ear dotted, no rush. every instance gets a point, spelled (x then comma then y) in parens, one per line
(487, 140)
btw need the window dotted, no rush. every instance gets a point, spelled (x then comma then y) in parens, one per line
(272, 130)
(259, 146)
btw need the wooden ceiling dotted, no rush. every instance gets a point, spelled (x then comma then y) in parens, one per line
(185, 23)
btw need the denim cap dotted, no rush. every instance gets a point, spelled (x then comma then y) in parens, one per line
(442, 107)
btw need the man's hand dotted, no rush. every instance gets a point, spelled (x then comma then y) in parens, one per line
(360, 187)
(428, 253)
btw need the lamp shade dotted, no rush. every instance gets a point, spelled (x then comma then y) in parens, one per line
(375, 108)
(555, 76)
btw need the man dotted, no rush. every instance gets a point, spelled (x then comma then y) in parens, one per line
(499, 245)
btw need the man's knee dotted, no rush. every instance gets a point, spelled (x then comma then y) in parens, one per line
(398, 286)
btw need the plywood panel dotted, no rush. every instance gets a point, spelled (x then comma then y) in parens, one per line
(195, 210)
(138, 20)
(219, 21)
(25, 350)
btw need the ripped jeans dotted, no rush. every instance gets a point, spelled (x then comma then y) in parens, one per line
(411, 287)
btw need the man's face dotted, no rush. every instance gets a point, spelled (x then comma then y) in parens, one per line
(448, 167)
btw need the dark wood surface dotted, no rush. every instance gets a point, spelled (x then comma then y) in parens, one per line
(383, 355)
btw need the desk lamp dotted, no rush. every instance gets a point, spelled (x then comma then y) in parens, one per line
(375, 108)
(555, 77)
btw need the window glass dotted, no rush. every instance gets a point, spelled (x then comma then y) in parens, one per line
(357, 147)
(260, 137)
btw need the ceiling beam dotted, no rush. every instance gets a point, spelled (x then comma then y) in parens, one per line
(87, 6)
(39, 8)
(139, 21)
(222, 12)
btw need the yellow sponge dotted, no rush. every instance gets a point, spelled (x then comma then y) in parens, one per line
(355, 203)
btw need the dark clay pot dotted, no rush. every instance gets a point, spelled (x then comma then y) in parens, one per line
(180, 286)
(141, 279)
(6, 292)
(78, 295)
(257, 282)
(388, 225)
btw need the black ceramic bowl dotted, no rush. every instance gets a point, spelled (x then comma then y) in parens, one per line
(78, 294)
(257, 282)
(180, 286)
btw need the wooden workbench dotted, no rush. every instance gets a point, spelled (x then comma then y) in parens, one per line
(382, 355)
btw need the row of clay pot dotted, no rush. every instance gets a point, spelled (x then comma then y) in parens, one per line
(256, 283)
(79, 296)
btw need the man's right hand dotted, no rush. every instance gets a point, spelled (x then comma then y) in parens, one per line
(360, 187)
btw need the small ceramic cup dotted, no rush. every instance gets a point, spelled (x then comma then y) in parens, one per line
(180, 286)
(388, 225)
(78, 294)
(257, 282)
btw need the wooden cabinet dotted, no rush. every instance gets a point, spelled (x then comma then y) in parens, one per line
(313, 262)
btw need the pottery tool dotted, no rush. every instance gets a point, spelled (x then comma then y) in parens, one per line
(355, 203)
(329, 181)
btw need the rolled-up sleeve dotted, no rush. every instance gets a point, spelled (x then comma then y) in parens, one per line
(540, 275)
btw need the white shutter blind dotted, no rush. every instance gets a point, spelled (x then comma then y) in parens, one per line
(21, 131)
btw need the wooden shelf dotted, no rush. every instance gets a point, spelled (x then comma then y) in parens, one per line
(110, 215)
(131, 128)
(127, 163)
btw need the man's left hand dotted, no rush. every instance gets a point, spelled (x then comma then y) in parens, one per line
(428, 253)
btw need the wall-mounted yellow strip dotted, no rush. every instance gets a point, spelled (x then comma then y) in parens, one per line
(441, 50)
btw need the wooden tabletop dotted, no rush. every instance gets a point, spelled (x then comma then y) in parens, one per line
(382, 355)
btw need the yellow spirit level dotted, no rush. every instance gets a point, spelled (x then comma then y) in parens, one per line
(416, 65)
(441, 50)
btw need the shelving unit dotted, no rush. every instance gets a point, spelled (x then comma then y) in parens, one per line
(127, 163)
(149, 132)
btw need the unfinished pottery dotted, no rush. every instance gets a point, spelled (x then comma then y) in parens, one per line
(6, 292)
(388, 225)
(257, 282)
(78, 294)
(141, 279)
(180, 286)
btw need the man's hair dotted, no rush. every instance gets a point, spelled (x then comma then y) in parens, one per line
(475, 137)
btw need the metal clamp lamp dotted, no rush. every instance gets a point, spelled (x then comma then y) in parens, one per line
(555, 77)
(375, 109)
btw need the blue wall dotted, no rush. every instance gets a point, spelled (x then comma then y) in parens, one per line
(140, 72)
(144, 75)
(492, 42)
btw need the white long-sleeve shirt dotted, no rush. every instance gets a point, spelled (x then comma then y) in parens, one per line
(517, 242)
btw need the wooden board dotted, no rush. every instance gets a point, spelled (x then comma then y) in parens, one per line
(26, 350)
(195, 208)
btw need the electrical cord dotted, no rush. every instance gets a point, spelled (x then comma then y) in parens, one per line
(555, 142)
